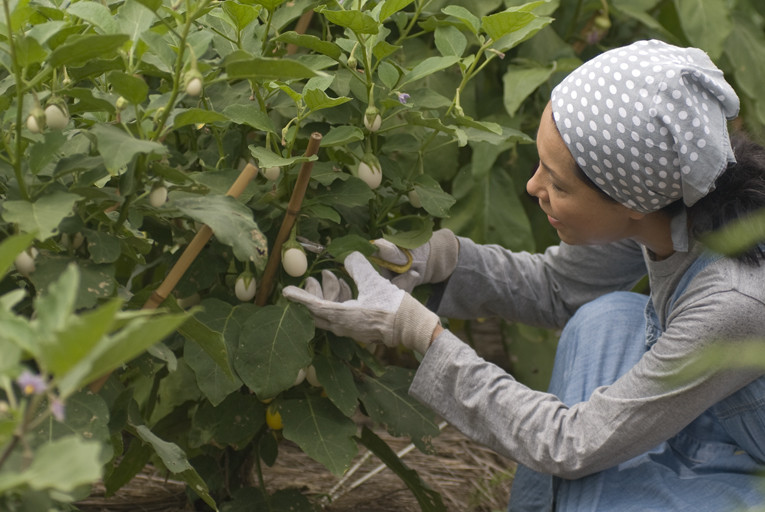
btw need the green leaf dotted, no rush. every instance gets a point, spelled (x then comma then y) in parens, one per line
(450, 41)
(521, 82)
(232, 423)
(41, 217)
(103, 247)
(262, 69)
(12, 247)
(387, 401)
(80, 49)
(323, 432)
(316, 99)
(240, 14)
(312, 43)
(357, 21)
(141, 332)
(745, 48)
(134, 19)
(428, 67)
(96, 280)
(410, 233)
(197, 116)
(118, 148)
(342, 136)
(490, 211)
(428, 499)
(738, 235)
(231, 221)
(465, 16)
(351, 192)
(133, 88)
(267, 158)
(63, 465)
(706, 23)
(175, 460)
(433, 198)
(251, 115)
(87, 416)
(337, 380)
(522, 34)
(342, 246)
(391, 7)
(96, 14)
(274, 345)
(271, 5)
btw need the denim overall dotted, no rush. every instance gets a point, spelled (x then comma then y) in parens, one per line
(716, 463)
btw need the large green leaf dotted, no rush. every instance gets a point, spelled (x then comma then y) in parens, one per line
(118, 147)
(321, 430)
(337, 380)
(391, 7)
(351, 192)
(341, 136)
(274, 345)
(215, 330)
(706, 23)
(250, 115)
(356, 21)
(240, 14)
(268, 158)
(197, 116)
(63, 465)
(80, 49)
(490, 212)
(96, 14)
(387, 401)
(262, 69)
(230, 220)
(745, 48)
(312, 43)
(428, 67)
(41, 217)
(520, 82)
(468, 19)
(96, 280)
(232, 423)
(316, 99)
(175, 460)
(433, 198)
(450, 41)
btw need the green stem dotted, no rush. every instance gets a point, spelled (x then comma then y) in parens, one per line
(17, 72)
(418, 11)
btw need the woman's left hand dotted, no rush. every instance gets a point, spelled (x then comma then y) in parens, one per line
(382, 313)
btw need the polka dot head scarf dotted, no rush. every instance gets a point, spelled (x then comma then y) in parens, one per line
(648, 123)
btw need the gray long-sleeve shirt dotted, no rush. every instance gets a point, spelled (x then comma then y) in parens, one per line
(725, 303)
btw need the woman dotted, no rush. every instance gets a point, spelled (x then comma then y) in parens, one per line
(635, 164)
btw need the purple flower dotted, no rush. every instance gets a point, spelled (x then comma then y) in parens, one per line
(58, 409)
(31, 384)
(403, 97)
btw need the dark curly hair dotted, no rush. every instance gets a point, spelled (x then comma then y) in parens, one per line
(739, 192)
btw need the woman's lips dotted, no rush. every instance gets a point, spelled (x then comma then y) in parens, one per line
(553, 221)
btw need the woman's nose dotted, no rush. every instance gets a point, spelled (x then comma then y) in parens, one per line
(534, 186)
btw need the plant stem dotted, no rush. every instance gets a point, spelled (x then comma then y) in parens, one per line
(17, 72)
(420, 7)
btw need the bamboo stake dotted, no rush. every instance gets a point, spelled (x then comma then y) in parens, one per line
(293, 209)
(188, 256)
(300, 28)
(197, 243)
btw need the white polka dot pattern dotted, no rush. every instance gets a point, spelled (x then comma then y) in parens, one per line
(648, 123)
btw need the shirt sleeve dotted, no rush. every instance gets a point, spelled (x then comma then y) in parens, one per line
(650, 403)
(538, 289)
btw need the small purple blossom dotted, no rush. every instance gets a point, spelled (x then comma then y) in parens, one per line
(403, 97)
(31, 384)
(58, 409)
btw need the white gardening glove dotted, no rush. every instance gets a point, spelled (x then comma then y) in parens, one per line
(382, 313)
(433, 262)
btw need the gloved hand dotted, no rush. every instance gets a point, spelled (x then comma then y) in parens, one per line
(382, 313)
(431, 263)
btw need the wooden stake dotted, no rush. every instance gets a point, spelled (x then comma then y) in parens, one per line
(293, 209)
(187, 257)
(197, 243)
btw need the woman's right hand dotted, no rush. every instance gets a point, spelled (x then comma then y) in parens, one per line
(432, 262)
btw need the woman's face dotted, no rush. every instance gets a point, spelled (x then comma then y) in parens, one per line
(579, 213)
